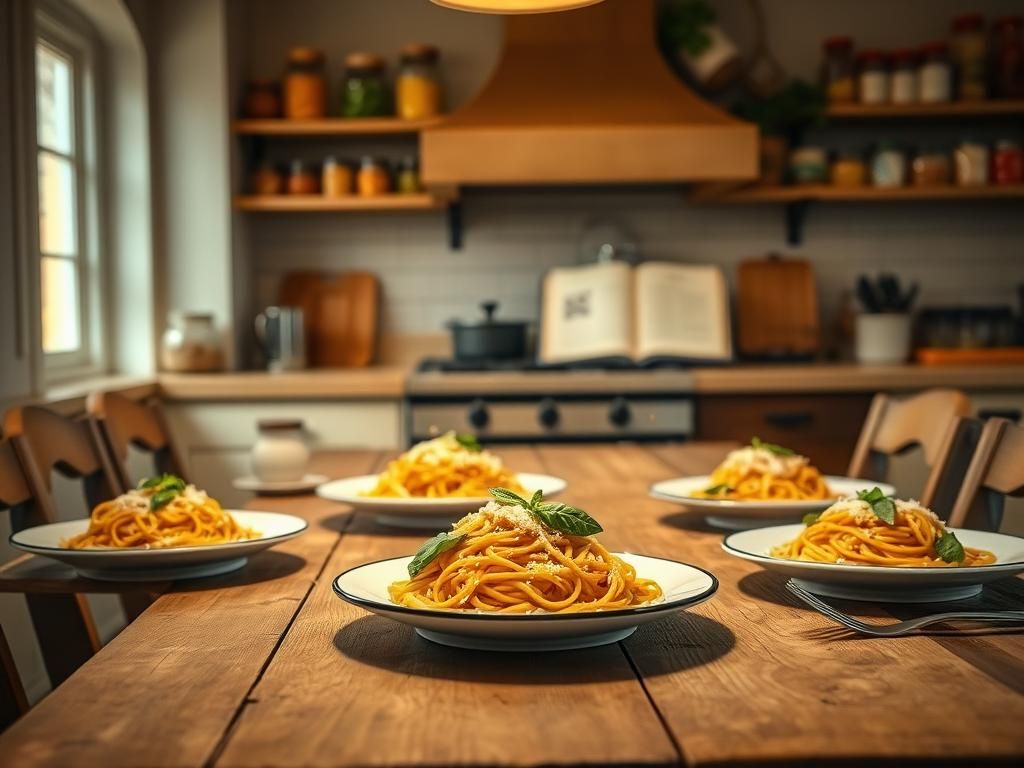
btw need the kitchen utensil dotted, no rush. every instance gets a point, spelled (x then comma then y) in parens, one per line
(886, 294)
(280, 332)
(488, 339)
(777, 308)
(901, 628)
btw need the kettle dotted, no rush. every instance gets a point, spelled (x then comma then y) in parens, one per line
(281, 335)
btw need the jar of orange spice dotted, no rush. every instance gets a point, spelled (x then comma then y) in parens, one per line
(305, 85)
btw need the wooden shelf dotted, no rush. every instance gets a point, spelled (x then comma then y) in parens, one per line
(795, 193)
(332, 126)
(948, 109)
(427, 201)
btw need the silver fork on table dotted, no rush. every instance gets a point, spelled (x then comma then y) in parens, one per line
(900, 628)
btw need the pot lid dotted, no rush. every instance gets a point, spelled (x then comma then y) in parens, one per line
(489, 309)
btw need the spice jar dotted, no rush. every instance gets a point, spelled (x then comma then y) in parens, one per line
(935, 75)
(837, 70)
(267, 180)
(418, 87)
(336, 178)
(848, 171)
(971, 161)
(262, 99)
(302, 180)
(1008, 163)
(1008, 61)
(373, 178)
(305, 87)
(930, 169)
(365, 91)
(888, 166)
(872, 77)
(903, 79)
(190, 344)
(969, 49)
(808, 165)
(407, 180)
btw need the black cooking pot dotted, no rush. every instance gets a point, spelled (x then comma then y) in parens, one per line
(488, 339)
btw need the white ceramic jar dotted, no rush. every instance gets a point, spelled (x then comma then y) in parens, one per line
(280, 454)
(883, 338)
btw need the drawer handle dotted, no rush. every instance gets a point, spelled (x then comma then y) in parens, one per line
(789, 419)
(1010, 414)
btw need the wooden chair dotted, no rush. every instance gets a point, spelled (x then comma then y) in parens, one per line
(13, 701)
(996, 471)
(892, 426)
(61, 617)
(122, 422)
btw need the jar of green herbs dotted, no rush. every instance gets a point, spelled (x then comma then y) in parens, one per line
(365, 89)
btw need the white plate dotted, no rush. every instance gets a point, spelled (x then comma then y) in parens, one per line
(684, 585)
(253, 484)
(740, 515)
(159, 564)
(888, 584)
(423, 512)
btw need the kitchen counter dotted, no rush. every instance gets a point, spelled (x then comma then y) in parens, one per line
(396, 381)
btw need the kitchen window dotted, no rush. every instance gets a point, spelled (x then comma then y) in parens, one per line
(68, 197)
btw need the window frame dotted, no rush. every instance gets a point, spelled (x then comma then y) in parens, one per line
(71, 37)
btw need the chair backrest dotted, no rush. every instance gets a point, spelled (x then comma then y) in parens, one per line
(46, 441)
(13, 702)
(996, 471)
(15, 495)
(122, 422)
(893, 426)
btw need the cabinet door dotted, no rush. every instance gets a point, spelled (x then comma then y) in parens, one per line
(822, 427)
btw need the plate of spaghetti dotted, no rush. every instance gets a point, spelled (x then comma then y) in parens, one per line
(162, 529)
(874, 547)
(524, 575)
(434, 481)
(757, 483)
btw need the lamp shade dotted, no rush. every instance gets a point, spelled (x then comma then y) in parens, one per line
(514, 6)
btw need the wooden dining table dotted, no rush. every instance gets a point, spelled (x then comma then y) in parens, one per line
(267, 667)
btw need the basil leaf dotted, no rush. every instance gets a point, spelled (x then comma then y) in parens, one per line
(150, 482)
(885, 509)
(505, 495)
(562, 517)
(875, 494)
(431, 549)
(949, 548)
(469, 442)
(161, 499)
(811, 518)
(714, 490)
(778, 450)
(538, 497)
(172, 483)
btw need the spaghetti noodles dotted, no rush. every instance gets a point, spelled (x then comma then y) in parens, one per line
(851, 532)
(765, 472)
(447, 466)
(504, 560)
(162, 512)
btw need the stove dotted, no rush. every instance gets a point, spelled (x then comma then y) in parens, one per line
(521, 401)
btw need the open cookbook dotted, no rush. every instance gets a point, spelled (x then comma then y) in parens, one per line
(654, 313)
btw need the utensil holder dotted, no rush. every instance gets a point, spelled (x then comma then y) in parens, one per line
(883, 338)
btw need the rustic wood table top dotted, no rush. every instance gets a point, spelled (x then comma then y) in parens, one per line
(267, 667)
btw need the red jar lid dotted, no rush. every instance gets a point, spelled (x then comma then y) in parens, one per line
(837, 43)
(936, 47)
(904, 56)
(967, 21)
(871, 56)
(1007, 21)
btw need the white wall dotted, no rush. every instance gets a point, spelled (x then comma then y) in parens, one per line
(962, 253)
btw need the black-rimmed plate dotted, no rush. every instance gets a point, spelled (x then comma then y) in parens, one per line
(683, 586)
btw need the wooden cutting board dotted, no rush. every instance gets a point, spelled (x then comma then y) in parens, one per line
(341, 313)
(777, 308)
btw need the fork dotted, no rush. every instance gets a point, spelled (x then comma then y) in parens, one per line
(900, 628)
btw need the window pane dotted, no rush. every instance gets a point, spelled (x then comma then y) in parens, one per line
(56, 206)
(61, 331)
(54, 114)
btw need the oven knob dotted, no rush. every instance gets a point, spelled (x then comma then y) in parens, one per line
(619, 412)
(547, 413)
(478, 415)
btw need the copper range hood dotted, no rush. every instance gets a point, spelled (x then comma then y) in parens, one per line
(585, 97)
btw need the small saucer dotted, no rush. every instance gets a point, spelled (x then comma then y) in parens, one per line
(306, 484)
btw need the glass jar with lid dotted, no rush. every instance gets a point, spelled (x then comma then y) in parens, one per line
(407, 178)
(903, 77)
(418, 86)
(1008, 58)
(305, 85)
(969, 46)
(302, 179)
(935, 75)
(888, 166)
(262, 99)
(365, 91)
(930, 168)
(336, 178)
(872, 77)
(837, 70)
(190, 344)
(971, 159)
(373, 178)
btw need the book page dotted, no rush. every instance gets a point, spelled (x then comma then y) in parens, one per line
(586, 313)
(682, 310)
